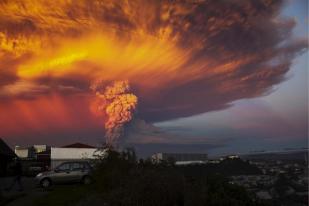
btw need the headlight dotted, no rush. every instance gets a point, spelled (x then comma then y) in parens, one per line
(39, 175)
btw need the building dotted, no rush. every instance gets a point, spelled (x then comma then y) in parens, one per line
(181, 158)
(51, 157)
(6, 156)
(77, 151)
(30, 152)
(37, 148)
(44, 158)
(22, 152)
(232, 157)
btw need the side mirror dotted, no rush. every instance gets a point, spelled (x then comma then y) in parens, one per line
(56, 170)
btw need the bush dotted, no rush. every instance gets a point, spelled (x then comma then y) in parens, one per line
(124, 181)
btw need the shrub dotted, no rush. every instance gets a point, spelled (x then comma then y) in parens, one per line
(123, 181)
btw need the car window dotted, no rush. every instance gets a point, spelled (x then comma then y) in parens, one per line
(86, 165)
(77, 166)
(65, 166)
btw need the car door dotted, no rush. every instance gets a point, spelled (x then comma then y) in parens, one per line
(63, 173)
(77, 171)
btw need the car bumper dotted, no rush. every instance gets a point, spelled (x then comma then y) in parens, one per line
(37, 180)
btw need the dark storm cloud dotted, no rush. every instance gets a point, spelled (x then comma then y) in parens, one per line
(228, 31)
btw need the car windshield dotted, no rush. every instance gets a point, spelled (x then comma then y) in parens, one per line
(62, 167)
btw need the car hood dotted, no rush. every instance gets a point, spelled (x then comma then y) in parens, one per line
(47, 173)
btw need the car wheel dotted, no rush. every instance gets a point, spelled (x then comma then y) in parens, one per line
(87, 180)
(45, 183)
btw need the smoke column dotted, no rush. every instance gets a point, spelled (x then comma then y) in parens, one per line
(118, 104)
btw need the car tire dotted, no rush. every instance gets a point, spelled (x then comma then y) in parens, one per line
(45, 183)
(86, 180)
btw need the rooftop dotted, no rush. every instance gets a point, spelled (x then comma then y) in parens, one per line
(78, 145)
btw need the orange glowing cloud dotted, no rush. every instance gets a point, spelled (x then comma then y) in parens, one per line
(46, 113)
(181, 58)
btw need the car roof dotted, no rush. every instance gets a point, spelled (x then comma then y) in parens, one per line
(75, 162)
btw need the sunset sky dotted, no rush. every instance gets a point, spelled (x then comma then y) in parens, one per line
(209, 76)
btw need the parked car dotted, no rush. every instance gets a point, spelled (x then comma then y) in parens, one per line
(67, 172)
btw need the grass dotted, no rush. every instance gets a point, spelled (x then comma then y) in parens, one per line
(63, 195)
(7, 199)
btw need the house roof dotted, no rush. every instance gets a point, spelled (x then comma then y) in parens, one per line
(6, 150)
(78, 145)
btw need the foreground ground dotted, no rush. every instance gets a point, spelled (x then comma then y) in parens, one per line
(28, 195)
(15, 197)
(33, 195)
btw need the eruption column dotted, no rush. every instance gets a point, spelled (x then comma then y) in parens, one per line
(119, 105)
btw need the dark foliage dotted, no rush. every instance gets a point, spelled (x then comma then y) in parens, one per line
(122, 180)
(227, 167)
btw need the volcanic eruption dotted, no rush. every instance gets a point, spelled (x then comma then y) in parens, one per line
(184, 58)
(118, 104)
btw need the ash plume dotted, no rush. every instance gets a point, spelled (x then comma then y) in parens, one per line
(182, 57)
(118, 104)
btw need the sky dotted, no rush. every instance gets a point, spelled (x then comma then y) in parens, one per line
(276, 121)
(204, 76)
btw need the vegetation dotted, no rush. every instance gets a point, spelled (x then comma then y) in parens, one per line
(64, 196)
(121, 180)
(227, 167)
